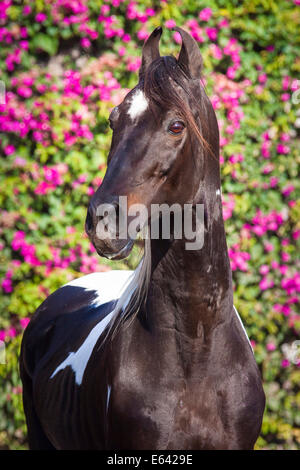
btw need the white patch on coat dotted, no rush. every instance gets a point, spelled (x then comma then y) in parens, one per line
(138, 105)
(237, 314)
(109, 286)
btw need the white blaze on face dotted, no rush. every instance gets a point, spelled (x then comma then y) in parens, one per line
(138, 105)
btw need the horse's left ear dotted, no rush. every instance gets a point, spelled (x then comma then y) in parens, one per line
(190, 57)
(150, 50)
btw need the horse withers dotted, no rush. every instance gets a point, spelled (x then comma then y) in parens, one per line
(156, 358)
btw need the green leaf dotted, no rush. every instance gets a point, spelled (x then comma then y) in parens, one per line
(46, 43)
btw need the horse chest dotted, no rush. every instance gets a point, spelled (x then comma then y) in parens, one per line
(157, 410)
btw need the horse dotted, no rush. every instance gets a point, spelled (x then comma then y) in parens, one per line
(155, 358)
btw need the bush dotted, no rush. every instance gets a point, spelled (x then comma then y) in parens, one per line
(64, 65)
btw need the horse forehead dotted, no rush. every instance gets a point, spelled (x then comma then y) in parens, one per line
(137, 104)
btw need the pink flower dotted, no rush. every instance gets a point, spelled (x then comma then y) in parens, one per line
(230, 72)
(126, 37)
(205, 14)
(286, 191)
(264, 269)
(271, 347)
(283, 149)
(7, 285)
(266, 283)
(285, 82)
(170, 24)
(223, 23)
(85, 42)
(9, 149)
(285, 363)
(24, 322)
(177, 37)
(262, 78)
(268, 246)
(26, 10)
(296, 234)
(212, 33)
(40, 17)
(285, 96)
(24, 91)
(285, 257)
(142, 34)
(12, 333)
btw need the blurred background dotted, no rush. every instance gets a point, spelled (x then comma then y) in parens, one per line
(63, 65)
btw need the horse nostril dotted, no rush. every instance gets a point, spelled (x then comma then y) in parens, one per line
(89, 221)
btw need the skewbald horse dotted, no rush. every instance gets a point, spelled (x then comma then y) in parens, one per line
(156, 358)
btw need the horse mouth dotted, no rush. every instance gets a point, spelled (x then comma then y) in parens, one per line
(121, 254)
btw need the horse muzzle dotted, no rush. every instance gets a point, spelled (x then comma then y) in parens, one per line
(104, 236)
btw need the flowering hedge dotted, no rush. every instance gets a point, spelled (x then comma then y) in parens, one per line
(64, 64)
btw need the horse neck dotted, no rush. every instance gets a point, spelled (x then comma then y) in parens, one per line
(192, 290)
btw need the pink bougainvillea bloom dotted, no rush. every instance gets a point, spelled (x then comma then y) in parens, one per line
(205, 14)
(212, 33)
(285, 96)
(85, 42)
(126, 37)
(177, 37)
(296, 234)
(285, 257)
(230, 72)
(26, 10)
(284, 137)
(7, 285)
(285, 363)
(142, 34)
(266, 283)
(264, 269)
(24, 322)
(24, 91)
(105, 9)
(223, 23)
(262, 78)
(271, 347)
(12, 333)
(170, 24)
(283, 149)
(122, 51)
(268, 246)
(9, 149)
(285, 82)
(287, 190)
(40, 17)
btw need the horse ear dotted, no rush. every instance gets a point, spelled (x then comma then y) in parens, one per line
(150, 50)
(189, 57)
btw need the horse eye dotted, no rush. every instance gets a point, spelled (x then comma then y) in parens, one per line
(176, 127)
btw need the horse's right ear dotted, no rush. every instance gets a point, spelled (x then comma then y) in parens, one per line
(150, 50)
(190, 57)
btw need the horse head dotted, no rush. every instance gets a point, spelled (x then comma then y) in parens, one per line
(164, 147)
